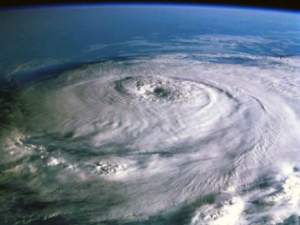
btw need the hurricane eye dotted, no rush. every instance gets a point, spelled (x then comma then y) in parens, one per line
(161, 92)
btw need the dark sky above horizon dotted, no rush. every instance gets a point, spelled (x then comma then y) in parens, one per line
(290, 5)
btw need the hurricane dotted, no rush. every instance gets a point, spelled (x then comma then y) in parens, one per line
(164, 139)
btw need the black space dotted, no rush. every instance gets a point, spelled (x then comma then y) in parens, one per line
(290, 5)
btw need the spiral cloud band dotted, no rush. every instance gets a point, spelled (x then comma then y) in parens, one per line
(172, 134)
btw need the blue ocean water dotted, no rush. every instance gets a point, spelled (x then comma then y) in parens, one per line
(46, 37)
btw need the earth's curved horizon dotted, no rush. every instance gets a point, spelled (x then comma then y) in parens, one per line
(149, 114)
